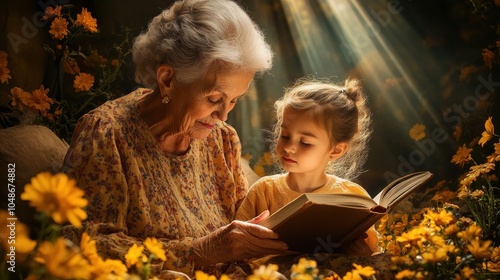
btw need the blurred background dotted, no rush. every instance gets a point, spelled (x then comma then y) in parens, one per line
(429, 68)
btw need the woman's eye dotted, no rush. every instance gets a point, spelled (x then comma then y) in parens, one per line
(285, 137)
(215, 101)
(234, 100)
(305, 144)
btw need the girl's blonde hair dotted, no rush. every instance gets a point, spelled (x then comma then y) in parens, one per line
(341, 110)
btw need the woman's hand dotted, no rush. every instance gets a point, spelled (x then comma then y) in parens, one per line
(237, 241)
(358, 246)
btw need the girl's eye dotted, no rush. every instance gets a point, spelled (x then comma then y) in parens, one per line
(284, 137)
(305, 144)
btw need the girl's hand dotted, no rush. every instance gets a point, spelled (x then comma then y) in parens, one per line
(237, 241)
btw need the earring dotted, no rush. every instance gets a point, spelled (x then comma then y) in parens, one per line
(165, 99)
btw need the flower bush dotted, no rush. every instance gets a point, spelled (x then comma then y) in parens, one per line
(455, 233)
(77, 77)
(59, 201)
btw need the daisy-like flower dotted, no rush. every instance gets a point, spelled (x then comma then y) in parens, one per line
(19, 98)
(83, 82)
(484, 168)
(24, 245)
(4, 75)
(462, 156)
(495, 156)
(366, 271)
(51, 12)
(108, 269)
(62, 261)
(96, 59)
(155, 247)
(89, 249)
(480, 249)
(135, 256)
(405, 274)
(417, 132)
(488, 133)
(59, 28)
(269, 272)
(39, 101)
(86, 20)
(58, 196)
(470, 233)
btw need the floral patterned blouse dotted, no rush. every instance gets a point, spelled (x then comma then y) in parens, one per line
(136, 190)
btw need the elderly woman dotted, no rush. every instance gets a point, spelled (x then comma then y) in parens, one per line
(161, 162)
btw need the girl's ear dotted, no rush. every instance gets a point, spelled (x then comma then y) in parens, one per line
(338, 151)
(165, 79)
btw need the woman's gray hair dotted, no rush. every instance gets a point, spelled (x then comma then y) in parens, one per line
(194, 35)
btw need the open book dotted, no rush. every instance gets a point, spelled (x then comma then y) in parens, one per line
(314, 223)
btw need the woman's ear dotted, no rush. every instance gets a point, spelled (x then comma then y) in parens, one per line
(165, 79)
(338, 150)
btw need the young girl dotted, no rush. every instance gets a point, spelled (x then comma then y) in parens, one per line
(322, 129)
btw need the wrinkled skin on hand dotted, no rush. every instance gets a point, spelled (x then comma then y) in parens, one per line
(236, 241)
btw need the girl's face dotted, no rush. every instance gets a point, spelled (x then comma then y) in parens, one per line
(203, 110)
(303, 146)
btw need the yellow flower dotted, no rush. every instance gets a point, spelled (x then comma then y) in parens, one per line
(488, 133)
(89, 249)
(4, 75)
(435, 255)
(155, 248)
(466, 273)
(58, 196)
(59, 28)
(440, 219)
(135, 256)
(366, 271)
(62, 261)
(417, 132)
(96, 59)
(83, 82)
(484, 168)
(86, 20)
(109, 269)
(462, 156)
(480, 249)
(50, 12)
(304, 266)
(495, 156)
(269, 272)
(405, 274)
(24, 245)
(470, 233)
(352, 275)
(451, 230)
(39, 101)
(19, 98)
(200, 275)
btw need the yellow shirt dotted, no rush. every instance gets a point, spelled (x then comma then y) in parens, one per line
(136, 190)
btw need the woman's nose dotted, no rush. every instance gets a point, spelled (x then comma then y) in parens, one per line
(221, 113)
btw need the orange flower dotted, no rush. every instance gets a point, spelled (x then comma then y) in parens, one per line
(417, 132)
(86, 20)
(83, 82)
(488, 133)
(4, 75)
(3, 59)
(488, 57)
(20, 98)
(495, 156)
(39, 101)
(96, 59)
(462, 156)
(50, 12)
(59, 28)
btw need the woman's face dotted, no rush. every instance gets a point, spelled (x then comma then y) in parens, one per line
(204, 109)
